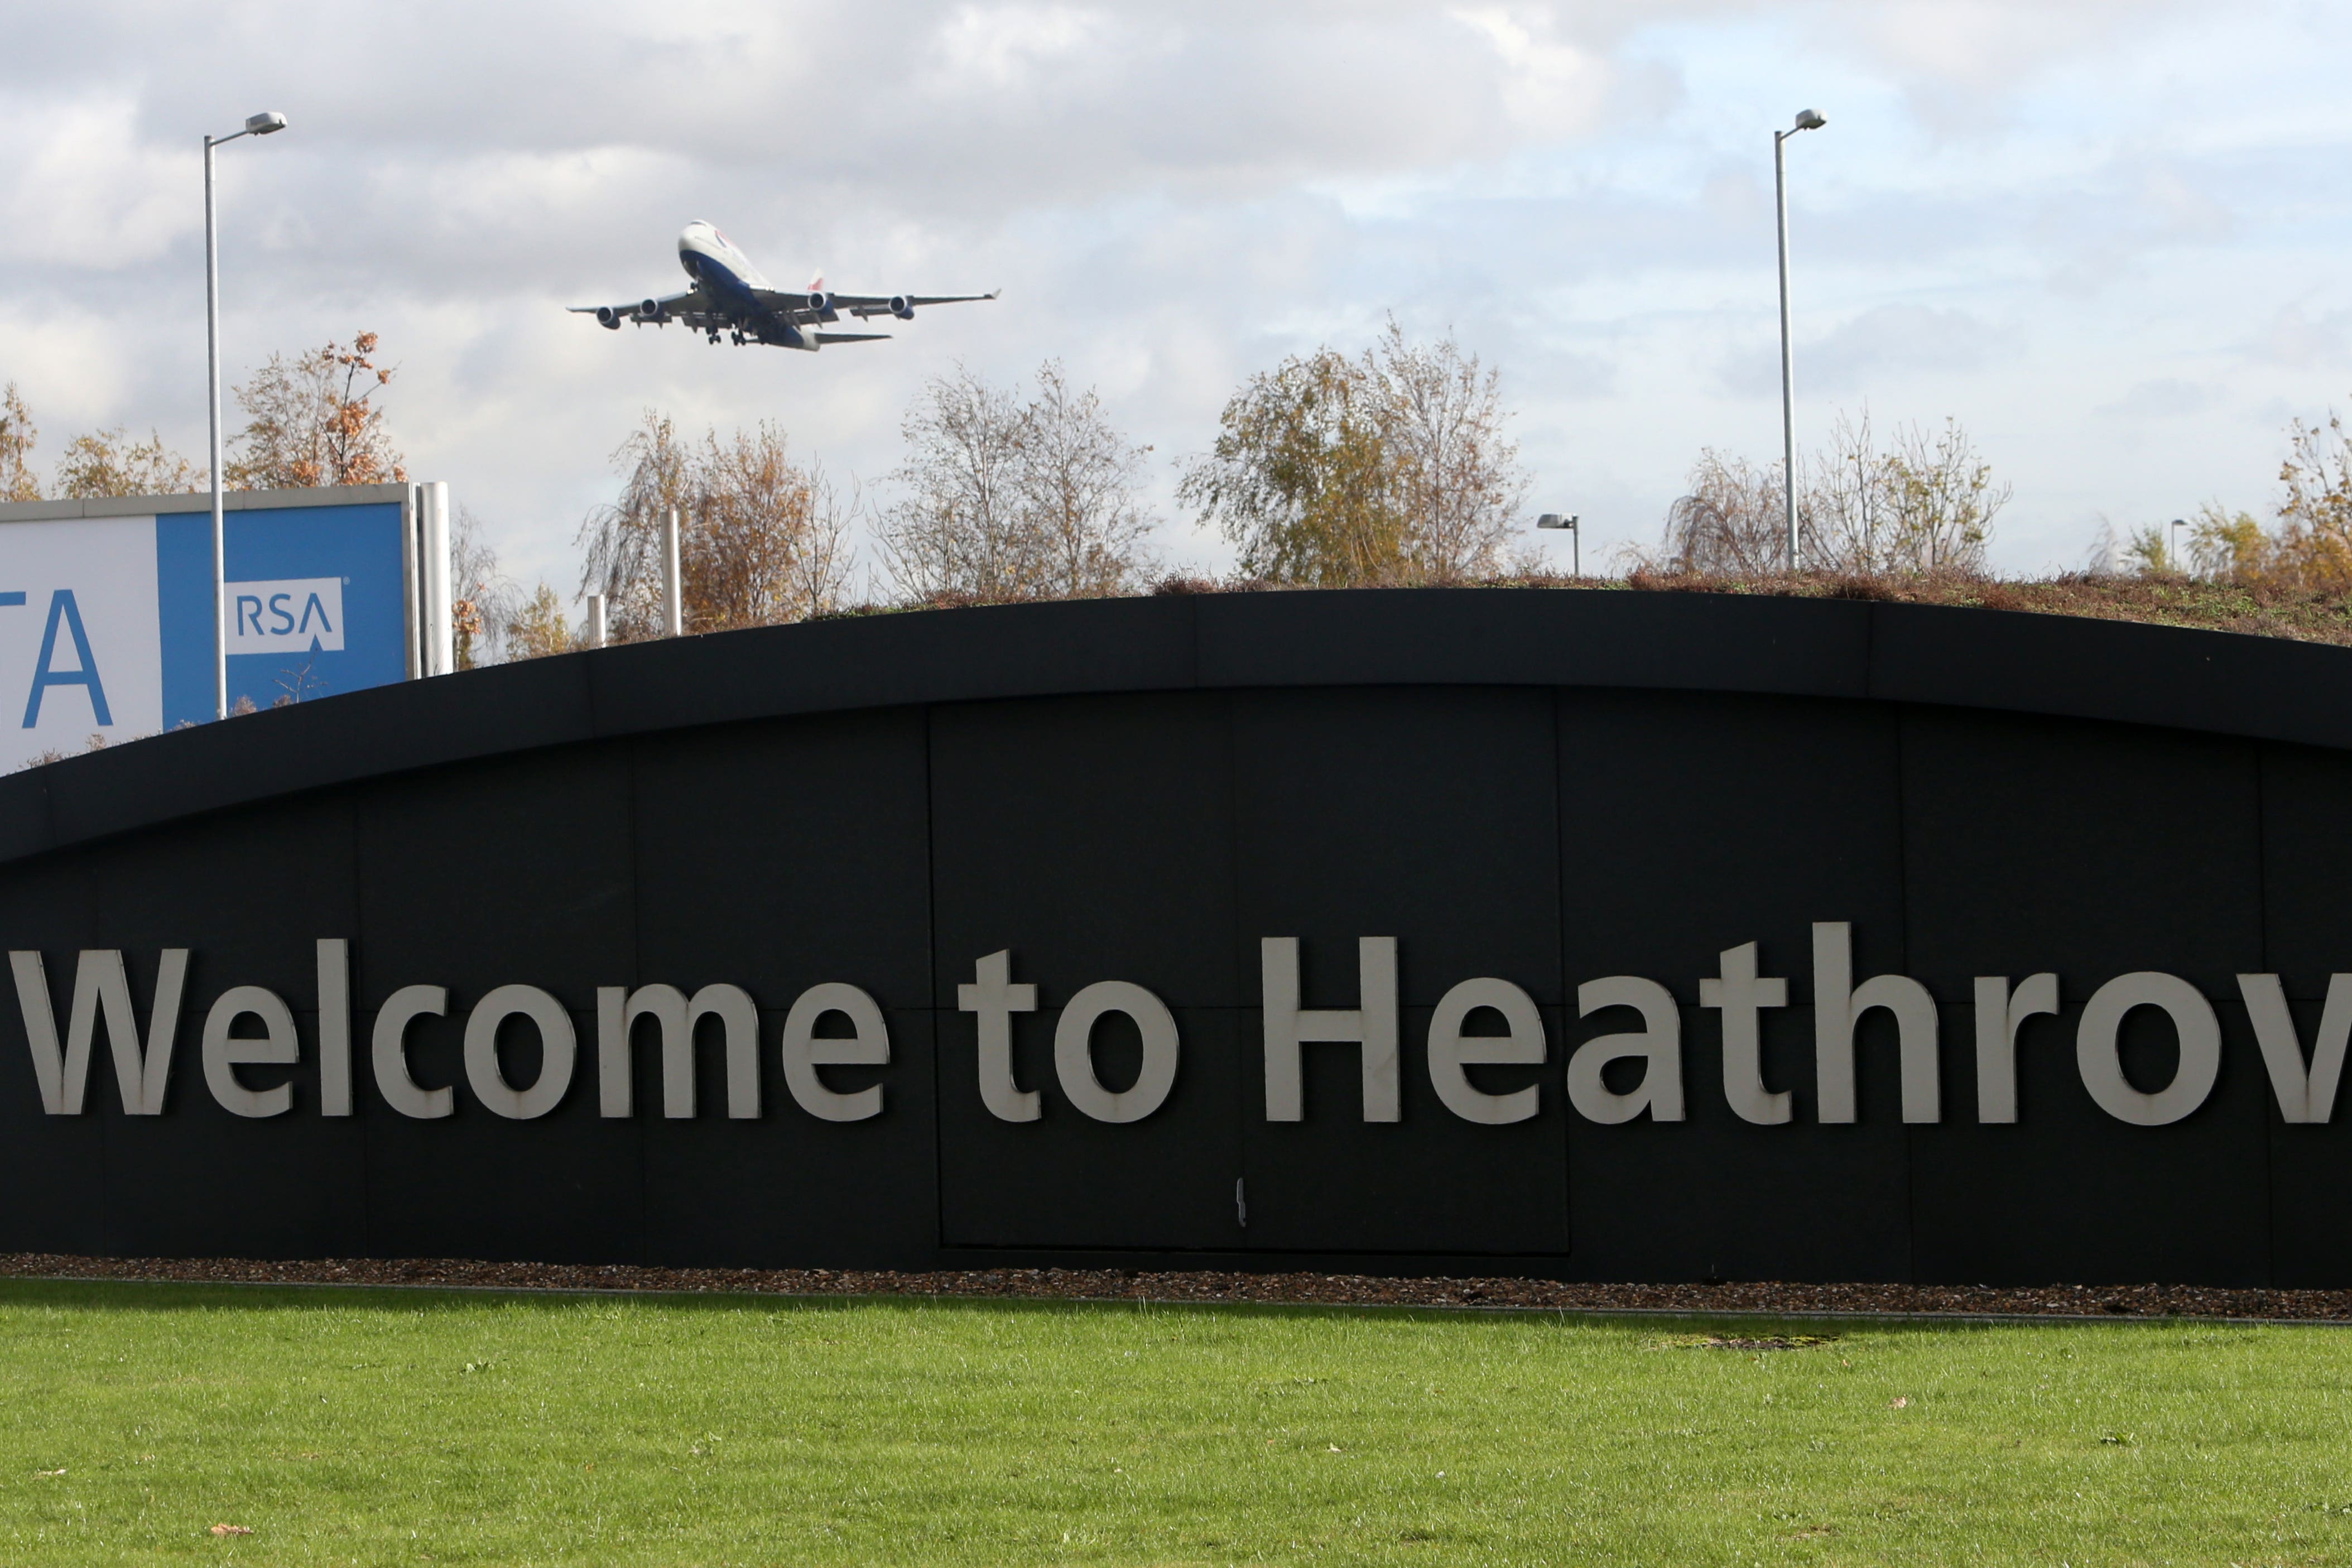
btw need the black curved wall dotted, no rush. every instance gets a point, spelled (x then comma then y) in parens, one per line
(1543, 787)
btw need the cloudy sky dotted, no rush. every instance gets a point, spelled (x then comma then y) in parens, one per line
(2106, 236)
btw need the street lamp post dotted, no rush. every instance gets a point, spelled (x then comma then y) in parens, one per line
(1575, 533)
(2177, 524)
(255, 125)
(1807, 120)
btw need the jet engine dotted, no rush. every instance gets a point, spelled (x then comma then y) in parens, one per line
(608, 317)
(819, 304)
(902, 307)
(649, 311)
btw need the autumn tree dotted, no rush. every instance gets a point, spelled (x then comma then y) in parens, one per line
(2308, 544)
(1300, 476)
(539, 626)
(2314, 544)
(767, 541)
(1390, 467)
(313, 421)
(762, 538)
(1006, 497)
(18, 436)
(109, 463)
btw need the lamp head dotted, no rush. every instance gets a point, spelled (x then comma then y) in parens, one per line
(265, 122)
(1810, 120)
(1553, 519)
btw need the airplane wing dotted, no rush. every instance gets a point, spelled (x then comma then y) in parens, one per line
(694, 309)
(796, 309)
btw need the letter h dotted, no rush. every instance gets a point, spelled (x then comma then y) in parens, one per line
(1372, 1025)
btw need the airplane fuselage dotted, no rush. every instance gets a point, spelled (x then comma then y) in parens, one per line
(714, 262)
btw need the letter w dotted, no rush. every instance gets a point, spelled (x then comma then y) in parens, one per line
(2302, 1096)
(100, 983)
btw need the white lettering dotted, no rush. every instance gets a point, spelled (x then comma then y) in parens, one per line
(804, 1051)
(558, 1047)
(224, 1052)
(617, 1010)
(994, 997)
(390, 1052)
(1738, 993)
(1838, 1003)
(1451, 1050)
(2000, 1013)
(334, 1026)
(1658, 1043)
(100, 983)
(1371, 1025)
(2102, 1067)
(2303, 1096)
(1074, 1057)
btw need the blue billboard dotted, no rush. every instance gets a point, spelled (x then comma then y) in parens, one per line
(106, 613)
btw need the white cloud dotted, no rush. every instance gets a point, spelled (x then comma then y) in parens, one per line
(2012, 216)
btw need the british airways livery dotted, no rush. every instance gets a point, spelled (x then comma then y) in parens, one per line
(729, 295)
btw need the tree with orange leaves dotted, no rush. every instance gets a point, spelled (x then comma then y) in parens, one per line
(312, 422)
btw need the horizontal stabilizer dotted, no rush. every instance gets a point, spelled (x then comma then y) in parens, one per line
(853, 337)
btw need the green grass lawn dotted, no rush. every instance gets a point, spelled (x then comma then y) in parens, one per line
(387, 1426)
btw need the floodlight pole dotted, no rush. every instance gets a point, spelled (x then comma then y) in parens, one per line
(1807, 120)
(212, 372)
(255, 125)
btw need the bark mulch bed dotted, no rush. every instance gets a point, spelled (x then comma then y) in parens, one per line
(1119, 1284)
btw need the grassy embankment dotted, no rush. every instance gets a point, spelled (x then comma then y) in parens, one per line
(2306, 614)
(412, 1428)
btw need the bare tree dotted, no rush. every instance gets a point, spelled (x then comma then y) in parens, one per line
(108, 463)
(960, 526)
(1926, 503)
(17, 438)
(312, 422)
(1455, 477)
(1944, 500)
(1080, 484)
(484, 600)
(1005, 499)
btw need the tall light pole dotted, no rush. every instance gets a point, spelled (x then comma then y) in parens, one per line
(1807, 120)
(255, 125)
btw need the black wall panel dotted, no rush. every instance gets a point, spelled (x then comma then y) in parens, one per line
(1543, 788)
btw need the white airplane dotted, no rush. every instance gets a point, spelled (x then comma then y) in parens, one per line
(730, 295)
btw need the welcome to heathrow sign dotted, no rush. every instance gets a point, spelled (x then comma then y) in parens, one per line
(1601, 935)
(2304, 1081)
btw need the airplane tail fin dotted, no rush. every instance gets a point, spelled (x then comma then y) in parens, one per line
(816, 284)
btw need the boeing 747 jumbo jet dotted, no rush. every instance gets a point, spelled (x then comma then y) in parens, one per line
(729, 295)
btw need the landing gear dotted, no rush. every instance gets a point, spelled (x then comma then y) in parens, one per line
(739, 340)
(714, 337)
